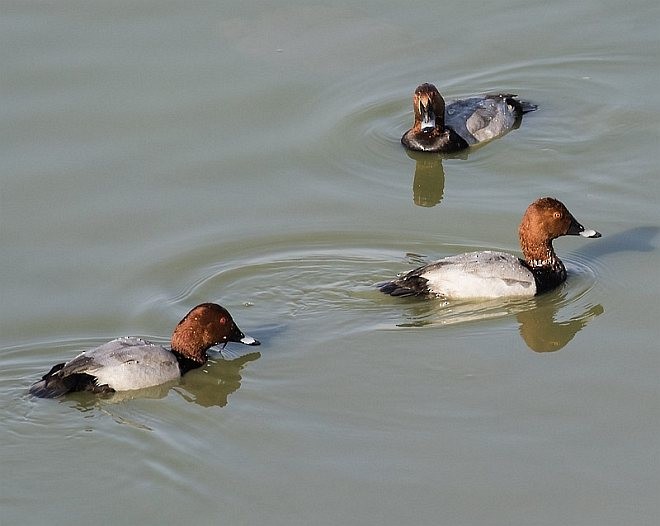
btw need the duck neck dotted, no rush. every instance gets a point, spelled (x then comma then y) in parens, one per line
(188, 348)
(440, 121)
(548, 269)
(185, 362)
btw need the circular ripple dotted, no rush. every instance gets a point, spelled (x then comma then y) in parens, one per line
(327, 282)
(365, 115)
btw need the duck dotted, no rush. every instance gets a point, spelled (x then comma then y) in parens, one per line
(462, 123)
(129, 363)
(492, 274)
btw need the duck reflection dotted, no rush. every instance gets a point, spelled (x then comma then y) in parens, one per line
(543, 333)
(429, 178)
(213, 388)
(537, 317)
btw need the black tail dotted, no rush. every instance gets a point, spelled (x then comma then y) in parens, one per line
(410, 286)
(526, 107)
(53, 385)
(521, 106)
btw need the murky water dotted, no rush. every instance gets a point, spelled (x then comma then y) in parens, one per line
(158, 156)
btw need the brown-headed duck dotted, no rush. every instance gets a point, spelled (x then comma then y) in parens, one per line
(490, 274)
(132, 363)
(461, 123)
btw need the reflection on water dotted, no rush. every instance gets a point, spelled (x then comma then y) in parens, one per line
(86, 401)
(207, 387)
(429, 179)
(212, 387)
(542, 333)
(538, 317)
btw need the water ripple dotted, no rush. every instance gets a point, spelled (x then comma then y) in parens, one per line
(320, 280)
(364, 115)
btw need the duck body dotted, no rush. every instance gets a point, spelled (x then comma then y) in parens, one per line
(485, 274)
(118, 365)
(482, 119)
(490, 274)
(447, 128)
(129, 363)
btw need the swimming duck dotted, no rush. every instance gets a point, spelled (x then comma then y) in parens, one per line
(462, 123)
(132, 363)
(489, 274)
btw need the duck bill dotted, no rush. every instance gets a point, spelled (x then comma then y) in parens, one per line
(238, 337)
(576, 229)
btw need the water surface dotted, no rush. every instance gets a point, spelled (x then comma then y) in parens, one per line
(155, 156)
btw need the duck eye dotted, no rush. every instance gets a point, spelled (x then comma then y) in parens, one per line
(223, 320)
(557, 215)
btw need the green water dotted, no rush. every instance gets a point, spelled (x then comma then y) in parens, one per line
(158, 155)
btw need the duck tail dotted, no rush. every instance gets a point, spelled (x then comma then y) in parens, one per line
(51, 384)
(526, 106)
(409, 286)
(521, 106)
